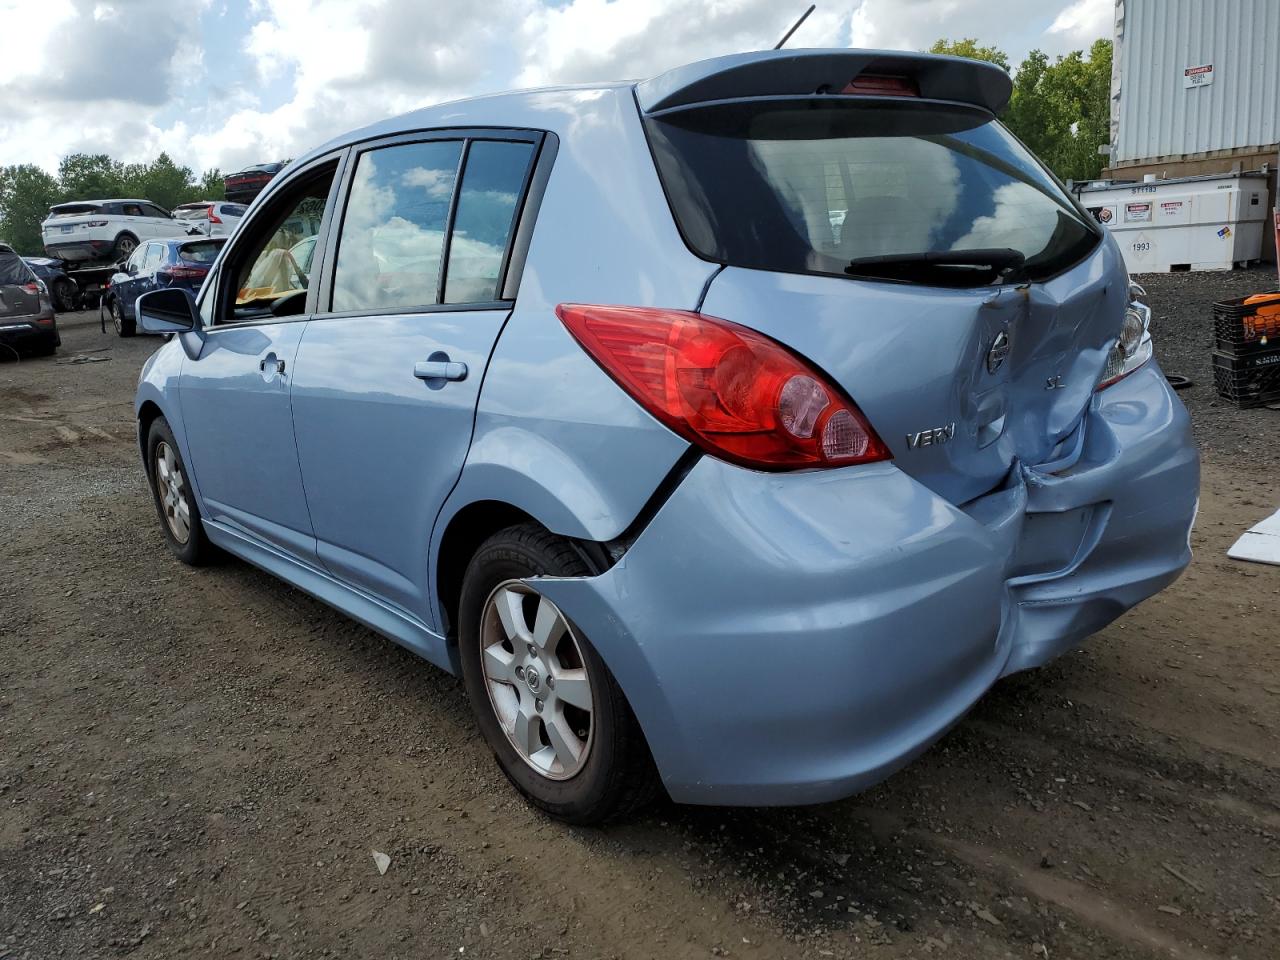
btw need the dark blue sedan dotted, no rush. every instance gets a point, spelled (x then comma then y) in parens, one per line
(61, 289)
(154, 265)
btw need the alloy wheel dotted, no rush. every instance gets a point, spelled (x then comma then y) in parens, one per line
(117, 318)
(537, 680)
(171, 488)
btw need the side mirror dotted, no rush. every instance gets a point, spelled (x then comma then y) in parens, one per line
(172, 310)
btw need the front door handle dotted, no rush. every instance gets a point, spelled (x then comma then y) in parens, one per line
(440, 370)
(271, 361)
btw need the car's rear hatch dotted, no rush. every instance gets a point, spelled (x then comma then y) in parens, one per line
(65, 220)
(901, 240)
(19, 291)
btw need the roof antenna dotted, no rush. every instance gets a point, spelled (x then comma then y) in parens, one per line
(796, 26)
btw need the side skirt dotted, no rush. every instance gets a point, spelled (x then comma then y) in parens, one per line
(396, 625)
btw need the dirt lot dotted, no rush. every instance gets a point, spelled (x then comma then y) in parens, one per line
(199, 763)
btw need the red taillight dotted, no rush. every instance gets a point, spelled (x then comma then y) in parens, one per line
(734, 392)
(33, 288)
(185, 273)
(878, 85)
(213, 217)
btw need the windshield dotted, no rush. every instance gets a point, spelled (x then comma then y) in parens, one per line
(868, 189)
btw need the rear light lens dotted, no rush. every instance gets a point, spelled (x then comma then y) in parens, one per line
(732, 391)
(878, 85)
(1132, 349)
(184, 273)
(32, 287)
(213, 217)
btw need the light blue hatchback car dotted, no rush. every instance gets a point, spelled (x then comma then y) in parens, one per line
(733, 430)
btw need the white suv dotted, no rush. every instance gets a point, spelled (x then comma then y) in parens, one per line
(213, 218)
(106, 230)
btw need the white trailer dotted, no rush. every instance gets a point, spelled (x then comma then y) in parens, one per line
(1188, 223)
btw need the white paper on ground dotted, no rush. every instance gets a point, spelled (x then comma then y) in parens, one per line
(1260, 543)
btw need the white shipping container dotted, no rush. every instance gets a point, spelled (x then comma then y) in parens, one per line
(1187, 223)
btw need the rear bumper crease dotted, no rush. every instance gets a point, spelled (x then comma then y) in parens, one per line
(795, 638)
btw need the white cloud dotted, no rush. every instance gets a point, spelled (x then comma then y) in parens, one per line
(1085, 20)
(273, 78)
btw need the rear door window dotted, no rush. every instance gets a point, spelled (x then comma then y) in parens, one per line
(391, 247)
(154, 257)
(487, 205)
(871, 189)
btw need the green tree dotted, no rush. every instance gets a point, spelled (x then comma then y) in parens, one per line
(211, 186)
(969, 47)
(26, 194)
(84, 176)
(1061, 110)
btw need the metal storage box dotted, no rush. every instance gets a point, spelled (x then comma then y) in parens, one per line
(1187, 223)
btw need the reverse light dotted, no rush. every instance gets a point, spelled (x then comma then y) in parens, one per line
(732, 391)
(1132, 349)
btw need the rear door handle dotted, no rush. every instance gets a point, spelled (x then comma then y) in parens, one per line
(273, 362)
(440, 370)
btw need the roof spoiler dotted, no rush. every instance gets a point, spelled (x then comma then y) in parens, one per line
(802, 73)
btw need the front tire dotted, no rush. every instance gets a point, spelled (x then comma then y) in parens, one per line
(124, 326)
(174, 499)
(554, 716)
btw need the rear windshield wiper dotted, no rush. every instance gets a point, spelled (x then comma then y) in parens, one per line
(940, 265)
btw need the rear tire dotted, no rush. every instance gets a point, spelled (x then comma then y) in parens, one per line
(174, 499)
(64, 296)
(124, 326)
(126, 243)
(584, 780)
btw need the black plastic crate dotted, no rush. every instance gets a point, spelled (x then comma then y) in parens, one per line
(1248, 381)
(1239, 329)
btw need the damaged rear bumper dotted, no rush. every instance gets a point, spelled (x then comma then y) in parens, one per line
(793, 638)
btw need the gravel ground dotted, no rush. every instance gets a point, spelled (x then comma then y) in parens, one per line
(1182, 326)
(199, 763)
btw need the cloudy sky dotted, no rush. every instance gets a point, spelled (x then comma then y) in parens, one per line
(230, 82)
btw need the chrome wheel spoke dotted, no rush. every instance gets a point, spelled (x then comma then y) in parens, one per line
(499, 664)
(525, 731)
(564, 741)
(548, 626)
(573, 688)
(511, 611)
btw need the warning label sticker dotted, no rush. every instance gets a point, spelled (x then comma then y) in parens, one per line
(1137, 212)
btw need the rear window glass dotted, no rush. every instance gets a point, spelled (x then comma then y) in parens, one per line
(13, 270)
(234, 209)
(863, 190)
(199, 212)
(77, 210)
(202, 251)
